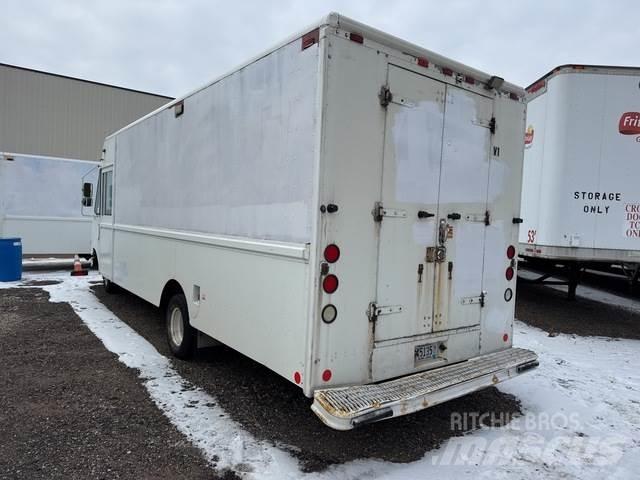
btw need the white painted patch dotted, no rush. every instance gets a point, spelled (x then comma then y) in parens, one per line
(417, 139)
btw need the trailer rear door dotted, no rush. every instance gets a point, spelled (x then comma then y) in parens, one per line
(433, 210)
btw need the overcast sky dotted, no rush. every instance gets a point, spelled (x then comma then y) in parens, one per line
(173, 46)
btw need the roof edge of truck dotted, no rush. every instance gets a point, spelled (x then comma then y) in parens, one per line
(577, 68)
(337, 20)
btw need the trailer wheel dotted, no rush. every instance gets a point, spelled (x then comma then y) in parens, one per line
(181, 336)
(109, 286)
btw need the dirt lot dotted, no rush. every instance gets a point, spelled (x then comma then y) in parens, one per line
(70, 409)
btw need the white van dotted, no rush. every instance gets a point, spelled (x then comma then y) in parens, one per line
(342, 209)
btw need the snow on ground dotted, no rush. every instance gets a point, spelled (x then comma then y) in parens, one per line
(581, 410)
(588, 292)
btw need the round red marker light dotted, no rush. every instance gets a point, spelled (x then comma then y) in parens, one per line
(326, 375)
(330, 283)
(509, 273)
(297, 377)
(511, 252)
(332, 253)
(505, 337)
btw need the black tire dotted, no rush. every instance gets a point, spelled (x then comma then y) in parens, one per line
(109, 286)
(182, 346)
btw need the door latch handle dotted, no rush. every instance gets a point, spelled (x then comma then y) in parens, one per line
(454, 216)
(424, 214)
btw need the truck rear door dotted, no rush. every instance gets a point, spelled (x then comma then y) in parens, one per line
(432, 219)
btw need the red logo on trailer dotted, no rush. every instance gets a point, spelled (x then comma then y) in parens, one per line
(629, 123)
(528, 136)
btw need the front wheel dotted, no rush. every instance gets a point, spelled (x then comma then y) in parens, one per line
(181, 336)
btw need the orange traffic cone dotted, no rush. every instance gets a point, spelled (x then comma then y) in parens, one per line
(77, 268)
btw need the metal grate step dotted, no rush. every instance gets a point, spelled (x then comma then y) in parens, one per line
(337, 405)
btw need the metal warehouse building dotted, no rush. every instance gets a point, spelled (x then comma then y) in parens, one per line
(52, 129)
(58, 116)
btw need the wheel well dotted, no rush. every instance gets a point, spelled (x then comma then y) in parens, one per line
(170, 289)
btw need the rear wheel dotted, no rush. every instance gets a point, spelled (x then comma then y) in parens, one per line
(181, 336)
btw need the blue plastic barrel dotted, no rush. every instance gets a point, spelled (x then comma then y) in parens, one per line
(10, 259)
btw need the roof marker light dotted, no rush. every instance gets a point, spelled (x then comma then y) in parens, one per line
(356, 37)
(310, 38)
(447, 71)
(423, 62)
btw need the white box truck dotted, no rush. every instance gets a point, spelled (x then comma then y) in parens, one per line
(581, 191)
(342, 209)
(39, 203)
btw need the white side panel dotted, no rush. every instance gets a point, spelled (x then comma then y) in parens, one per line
(532, 169)
(49, 235)
(40, 202)
(505, 180)
(239, 161)
(351, 178)
(252, 301)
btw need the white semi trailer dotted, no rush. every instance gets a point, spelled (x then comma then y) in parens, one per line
(342, 209)
(580, 194)
(39, 203)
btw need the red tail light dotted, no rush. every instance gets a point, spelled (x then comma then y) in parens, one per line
(509, 273)
(326, 375)
(511, 252)
(332, 253)
(330, 283)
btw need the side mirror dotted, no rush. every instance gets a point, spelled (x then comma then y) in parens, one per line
(87, 194)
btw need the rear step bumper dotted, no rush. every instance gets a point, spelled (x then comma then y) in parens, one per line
(345, 408)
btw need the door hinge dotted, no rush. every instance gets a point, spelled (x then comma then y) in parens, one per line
(471, 300)
(492, 125)
(385, 96)
(379, 212)
(487, 218)
(374, 310)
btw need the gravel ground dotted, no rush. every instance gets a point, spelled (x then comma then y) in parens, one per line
(549, 309)
(268, 405)
(70, 409)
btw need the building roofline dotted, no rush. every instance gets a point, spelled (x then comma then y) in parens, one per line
(33, 70)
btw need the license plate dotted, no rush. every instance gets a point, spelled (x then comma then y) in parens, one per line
(428, 351)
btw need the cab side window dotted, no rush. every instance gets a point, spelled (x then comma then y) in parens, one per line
(104, 194)
(108, 193)
(97, 208)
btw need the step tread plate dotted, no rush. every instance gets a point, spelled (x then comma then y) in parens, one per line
(348, 402)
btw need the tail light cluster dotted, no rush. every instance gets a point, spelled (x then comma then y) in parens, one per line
(510, 271)
(330, 283)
